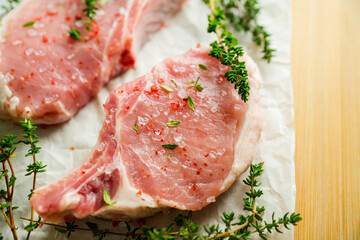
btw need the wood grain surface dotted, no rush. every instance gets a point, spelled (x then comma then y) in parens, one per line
(326, 77)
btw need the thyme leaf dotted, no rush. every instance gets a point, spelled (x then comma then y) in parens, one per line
(191, 103)
(107, 198)
(170, 146)
(29, 24)
(166, 88)
(136, 127)
(203, 67)
(174, 82)
(75, 34)
(173, 123)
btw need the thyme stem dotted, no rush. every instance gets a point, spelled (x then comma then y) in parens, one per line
(6, 179)
(11, 221)
(13, 173)
(6, 218)
(84, 229)
(213, 10)
(228, 233)
(33, 188)
(254, 197)
(12, 226)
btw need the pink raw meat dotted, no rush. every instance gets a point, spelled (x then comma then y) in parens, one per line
(216, 143)
(47, 76)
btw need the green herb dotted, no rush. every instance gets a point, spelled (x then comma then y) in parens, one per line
(227, 51)
(174, 83)
(29, 24)
(32, 225)
(169, 156)
(90, 10)
(191, 103)
(136, 127)
(10, 5)
(7, 150)
(103, 2)
(203, 67)
(67, 229)
(107, 198)
(197, 85)
(36, 167)
(173, 123)
(100, 234)
(190, 82)
(243, 16)
(75, 34)
(170, 146)
(166, 88)
(239, 227)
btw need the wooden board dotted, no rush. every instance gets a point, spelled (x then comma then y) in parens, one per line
(326, 73)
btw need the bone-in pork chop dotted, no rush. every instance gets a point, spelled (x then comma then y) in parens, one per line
(47, 76)
(158, 150)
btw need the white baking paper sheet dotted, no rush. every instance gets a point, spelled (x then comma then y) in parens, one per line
(181, 33)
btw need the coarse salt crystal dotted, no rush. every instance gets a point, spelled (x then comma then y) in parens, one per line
(178, 137)
(71, 56)
(182, 93)
(17, 42)
(29, 51)
(79, 24)
(32, 33)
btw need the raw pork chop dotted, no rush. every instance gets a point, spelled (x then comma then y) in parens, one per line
(47, 76)
(216, 143)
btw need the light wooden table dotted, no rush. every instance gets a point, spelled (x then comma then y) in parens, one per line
(326, 72)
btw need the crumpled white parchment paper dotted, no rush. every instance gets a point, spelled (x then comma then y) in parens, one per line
(181, 33)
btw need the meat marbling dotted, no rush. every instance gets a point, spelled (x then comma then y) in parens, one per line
(47, 76)
(216, 143)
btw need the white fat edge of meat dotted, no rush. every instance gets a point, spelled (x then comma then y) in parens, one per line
(242, 162)
(4, 91)
(128, 200)
(130, 196)
(5, 94)
(61, 107)
(69, 201)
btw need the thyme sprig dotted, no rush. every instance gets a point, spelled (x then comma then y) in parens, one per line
(243, 16)
(227, 51)
(7, 150)
(90, 12)
(182, 227)
(10, 5)
(90, 9)
(34, 168)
